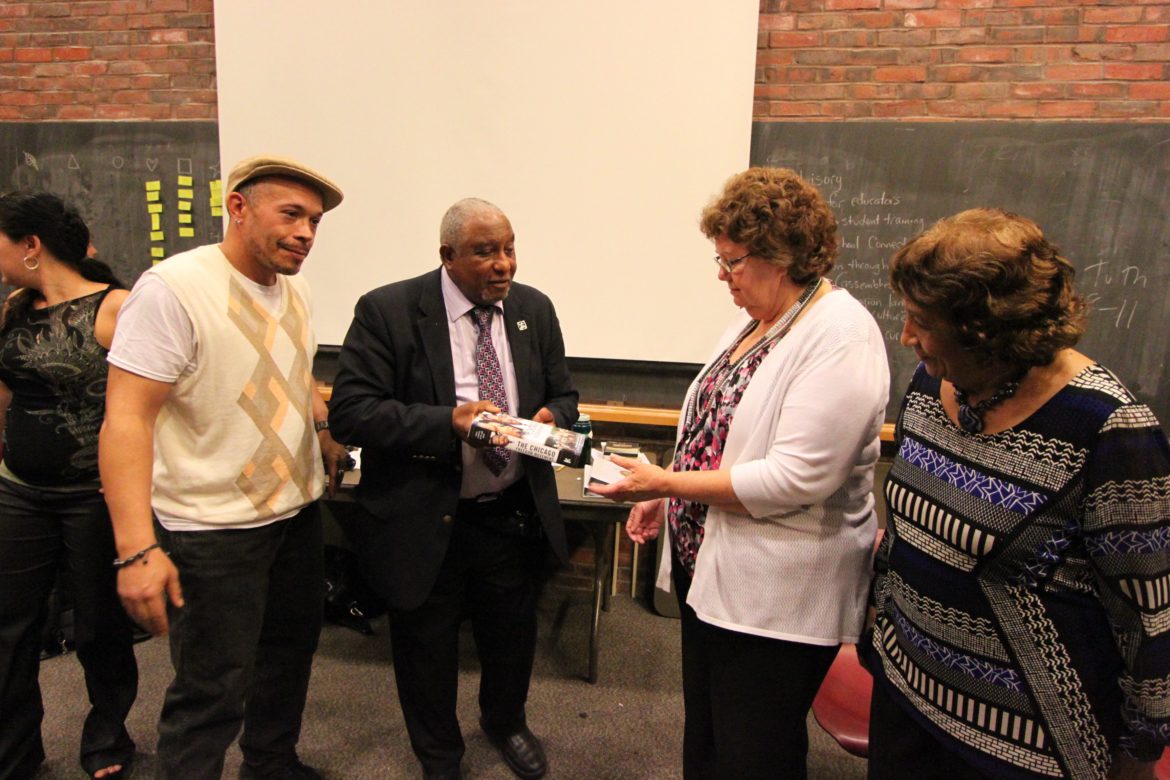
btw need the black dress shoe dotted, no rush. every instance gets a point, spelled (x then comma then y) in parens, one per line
(523, 752)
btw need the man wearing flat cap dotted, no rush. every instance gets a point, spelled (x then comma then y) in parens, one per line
(211, 461)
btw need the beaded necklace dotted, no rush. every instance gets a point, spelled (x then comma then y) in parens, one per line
(971, 417)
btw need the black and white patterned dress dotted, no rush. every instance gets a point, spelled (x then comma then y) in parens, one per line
(1023, 587)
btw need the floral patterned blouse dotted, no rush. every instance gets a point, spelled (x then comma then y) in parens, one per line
(700, 446)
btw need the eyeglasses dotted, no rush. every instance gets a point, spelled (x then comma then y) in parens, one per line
(729, 266)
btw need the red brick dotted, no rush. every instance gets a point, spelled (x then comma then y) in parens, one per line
(106, 111)
(904, 38)
(910, 4)
(899, 108)
(1011, 108)
(168, 36)
(1145, 33)
(1134, 71)
(1156, 14)
(91, 68)
(1155, 52)
(986, 54)
(1090, 51)
(1018, 34)
(1043, 89)
(1066, 109)
(781, 39)
(772, 22)
(169, 6)
(1050, 17)
(14, 9)
(1074, 72)
(875, 20)
(928, 91)
(34, 55)
(792, 108)
(954, 73)
(1150, 91)
(960, 36)
(852, 5)
(823, 21)
(848, 109)
(954, 108)
(934, 19)
(1099, 89)
(900, 73)
(196, 111)
(72, 53)
(76, 112)
(872, 91)
(1128, 109)
(1111, 15)
(49, 9)
(966, 5)
(981, 90)
(857, 39)
(19, 98)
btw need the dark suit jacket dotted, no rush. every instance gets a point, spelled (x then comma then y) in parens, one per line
(393, 397)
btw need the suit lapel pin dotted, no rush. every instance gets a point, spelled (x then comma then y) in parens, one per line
(521, 325)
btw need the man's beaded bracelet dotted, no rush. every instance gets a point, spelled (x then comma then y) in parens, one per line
(141, 554)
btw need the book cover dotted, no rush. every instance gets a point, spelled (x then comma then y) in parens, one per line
(528, 437)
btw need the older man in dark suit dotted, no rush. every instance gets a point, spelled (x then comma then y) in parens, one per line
(446, 530)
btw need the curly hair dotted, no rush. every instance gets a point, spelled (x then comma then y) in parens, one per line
(997, 281)
(779, 217)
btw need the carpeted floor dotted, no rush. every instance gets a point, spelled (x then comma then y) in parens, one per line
(626, 727)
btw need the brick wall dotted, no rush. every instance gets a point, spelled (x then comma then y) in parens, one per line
(816, 59)
(107, 59)
(962, 59)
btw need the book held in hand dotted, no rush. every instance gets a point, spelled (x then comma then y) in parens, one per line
(528, 437)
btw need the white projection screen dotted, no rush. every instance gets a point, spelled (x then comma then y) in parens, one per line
(601, 129)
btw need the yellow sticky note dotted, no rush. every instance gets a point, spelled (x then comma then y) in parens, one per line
(152, 195)
(217, 211)
(157, 235)
(184, 219)
(186, 232)
(158, 251)
(154, 208)
(216, 193)
(154, 221)
(184, 205)
(188, 194)
(186, 181)
(153, 186)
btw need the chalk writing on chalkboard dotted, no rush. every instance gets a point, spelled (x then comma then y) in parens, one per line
(1098, 190)
(124, 178)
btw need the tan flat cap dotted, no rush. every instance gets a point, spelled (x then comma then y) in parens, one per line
(267, 165)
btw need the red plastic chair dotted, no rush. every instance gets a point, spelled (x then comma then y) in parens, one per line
(842, 704)
(1162, 768)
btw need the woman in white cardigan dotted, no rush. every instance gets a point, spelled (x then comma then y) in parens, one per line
(768, 503)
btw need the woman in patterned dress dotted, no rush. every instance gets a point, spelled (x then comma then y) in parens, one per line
(54, 333)
(1023, 599)
(769, 500)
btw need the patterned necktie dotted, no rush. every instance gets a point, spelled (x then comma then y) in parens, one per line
(491, 381)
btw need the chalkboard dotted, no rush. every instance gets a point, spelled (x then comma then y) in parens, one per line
(105, 168)
(1100, 191)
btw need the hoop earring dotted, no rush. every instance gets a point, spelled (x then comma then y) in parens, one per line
(36, 263)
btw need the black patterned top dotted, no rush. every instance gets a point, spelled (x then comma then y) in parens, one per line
(1023, 591)
(56, 370)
